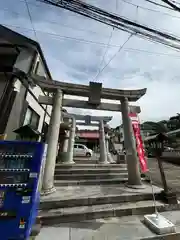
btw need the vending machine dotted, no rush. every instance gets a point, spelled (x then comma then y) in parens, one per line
(21, 164)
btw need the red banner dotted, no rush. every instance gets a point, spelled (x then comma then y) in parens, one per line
(139, 142)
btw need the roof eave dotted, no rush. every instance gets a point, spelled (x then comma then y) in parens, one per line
(18, 39)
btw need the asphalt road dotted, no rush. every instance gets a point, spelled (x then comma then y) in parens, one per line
(172, 173)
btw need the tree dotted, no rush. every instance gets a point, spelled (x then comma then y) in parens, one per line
(155, 127)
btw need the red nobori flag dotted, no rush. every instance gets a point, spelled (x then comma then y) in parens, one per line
(139, 142)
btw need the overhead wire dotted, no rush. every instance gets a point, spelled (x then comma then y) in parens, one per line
(103, 58)
(110, 25)
(158, 4)
(55, 23)
(117, 21)
(62, 36)
(106, 50)
(30, 17)
(176, 2)
(149, 9)
(171, 4)
(121, 47)
(95, 42)
(68, 26)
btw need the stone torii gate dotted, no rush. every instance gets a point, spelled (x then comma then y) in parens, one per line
(98, 121)
(95, 93)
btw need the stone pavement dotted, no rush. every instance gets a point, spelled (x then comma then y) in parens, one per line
(79, 203)
(124, 228)
(76, 192)
(172, 173)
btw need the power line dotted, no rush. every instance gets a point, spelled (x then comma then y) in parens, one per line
(98, 43)
(103, 58)
(149, 9)
(148, 36)
(151, 52)
(29, 14)
(121, 47)
(171, 4)
(116, 21)
(84, 30)
(158, 4)
(176, 2)
(63, 36)
(73, 27)
(55, 23)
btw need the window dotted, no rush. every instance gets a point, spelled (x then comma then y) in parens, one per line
(36, 67)
(44, 132)
(81, 147)
(31, 118)
(27, 119)
(39, 68)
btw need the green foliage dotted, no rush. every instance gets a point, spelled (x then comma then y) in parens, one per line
(154, 127)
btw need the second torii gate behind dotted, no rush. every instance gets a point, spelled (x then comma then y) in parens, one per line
(100, 121)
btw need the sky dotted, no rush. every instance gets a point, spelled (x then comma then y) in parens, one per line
(76, 49)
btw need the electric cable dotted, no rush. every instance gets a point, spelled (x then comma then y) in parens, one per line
(101, 21)
(121, 47)
(29, 14)
(63, 36)
(67, 26)
(55, 23)
(158, 4)
(121, 23)
(100, 43)
(171, 4)
(149, 9)
(103, 58)
(176, 2)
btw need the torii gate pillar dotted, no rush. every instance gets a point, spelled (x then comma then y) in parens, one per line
(134, 176)
(52, 141)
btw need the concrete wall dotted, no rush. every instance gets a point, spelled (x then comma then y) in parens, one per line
(2, 83)
(37, 92)
(36, 107)
(24, 62)
(15, 114)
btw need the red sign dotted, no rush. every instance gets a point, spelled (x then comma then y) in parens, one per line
(88, 135)
(139, 142)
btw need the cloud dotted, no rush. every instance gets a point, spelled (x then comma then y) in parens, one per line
(77, 60)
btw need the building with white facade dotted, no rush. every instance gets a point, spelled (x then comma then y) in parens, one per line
(19, 58)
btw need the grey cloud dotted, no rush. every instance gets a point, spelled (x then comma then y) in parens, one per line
(77, 62)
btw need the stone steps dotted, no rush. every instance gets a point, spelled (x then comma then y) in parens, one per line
(90, 176)
(86, 161)
(91, 181)
(96, 200)
(90, 166)
(82, 213)
(90, 170)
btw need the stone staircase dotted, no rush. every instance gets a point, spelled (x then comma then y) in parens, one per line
(91, 191)
(88, 192)
(90, 174)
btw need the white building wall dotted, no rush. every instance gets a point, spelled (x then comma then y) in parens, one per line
(47, 119)
(35, 105)
(37, 92)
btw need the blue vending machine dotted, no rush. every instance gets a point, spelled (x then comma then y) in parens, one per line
(21, 164)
